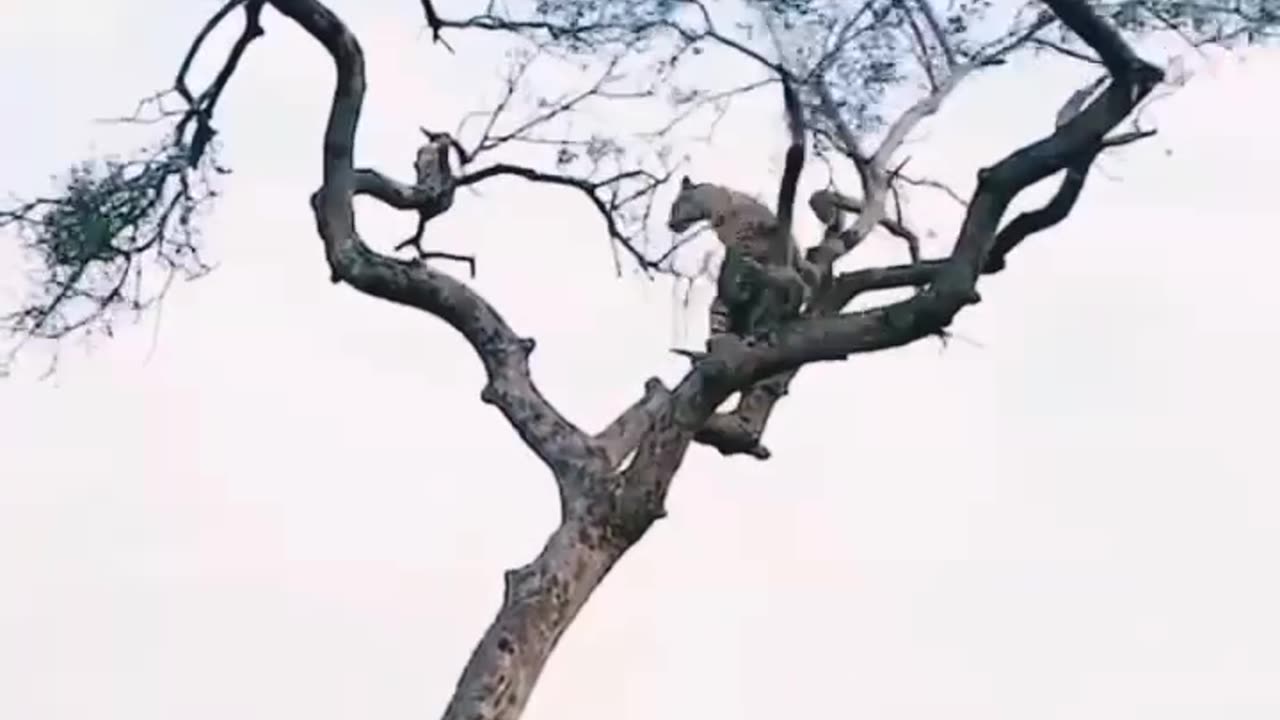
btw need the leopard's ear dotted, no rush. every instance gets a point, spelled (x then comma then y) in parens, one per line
(685, 182)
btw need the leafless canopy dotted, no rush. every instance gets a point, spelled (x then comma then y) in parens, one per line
(840, 57)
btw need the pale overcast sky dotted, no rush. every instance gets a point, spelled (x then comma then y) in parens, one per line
(296, 505)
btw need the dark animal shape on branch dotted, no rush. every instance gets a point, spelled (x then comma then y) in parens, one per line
(763, 281)
(436, 184)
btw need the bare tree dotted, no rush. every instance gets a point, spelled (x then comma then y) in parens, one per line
(842, 58)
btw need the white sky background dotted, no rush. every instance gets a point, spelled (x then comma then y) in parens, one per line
(298, 507)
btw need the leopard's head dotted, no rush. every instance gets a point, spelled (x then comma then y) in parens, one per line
(688, 207)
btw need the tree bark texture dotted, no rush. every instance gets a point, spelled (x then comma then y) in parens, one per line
(608, 503)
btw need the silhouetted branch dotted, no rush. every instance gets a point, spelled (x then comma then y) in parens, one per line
(947, 285)
(613, 485)
(201, 107)
(602, 34)
(794, 162)
(874, 170)
(1057, 208)
(433, 22)
(645, 184)
(108, 218)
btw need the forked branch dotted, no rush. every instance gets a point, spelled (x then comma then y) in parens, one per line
(952, 283)
(503, 353)
(641, 193)
(624, 434)
(109, 220)
(605, 509)
(600, 519)
(874, 169)
(201, 107)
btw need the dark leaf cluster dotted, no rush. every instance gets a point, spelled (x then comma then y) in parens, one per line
(91, 244)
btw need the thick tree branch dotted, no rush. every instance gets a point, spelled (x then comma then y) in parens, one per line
(504, 354)
(794, 162)
(1120, 59)
(605, 511)
(1075, 102)
(539, 602)
(738, 432)
(1064, 199)
(895, 227)
(1057, 208)
(873, 212)
(600, 519)
(623, 435)
(952, 285)
(846, 286)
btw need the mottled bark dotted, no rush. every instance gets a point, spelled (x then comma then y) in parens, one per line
(606, 507)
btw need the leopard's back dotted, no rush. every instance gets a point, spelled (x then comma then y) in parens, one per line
(751, 226)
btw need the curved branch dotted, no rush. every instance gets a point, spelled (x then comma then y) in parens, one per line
(605, 511)
(873, 170)
(599, 521)
(846, 286)
(180, 80)
(738, 432)
(952, 283)
(504, 354)
(826, 336)
(895, 227)
(624, 434)
(1056, 209)
(201, 107)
